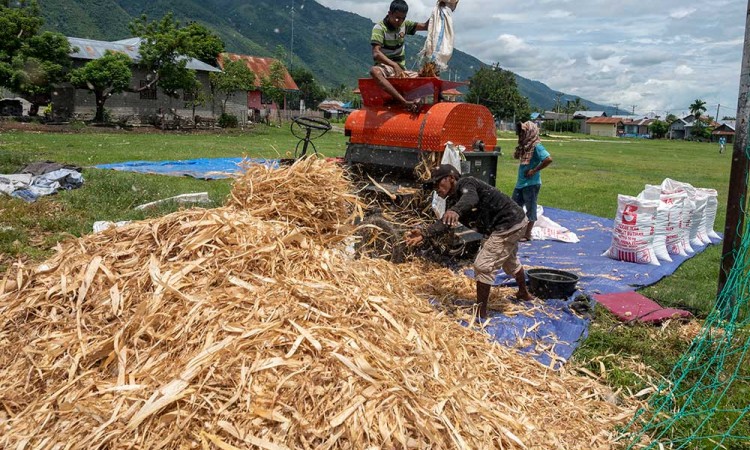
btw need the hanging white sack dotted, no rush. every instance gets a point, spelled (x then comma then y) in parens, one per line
(712, 205)
(453, 154)
(633, 231)
(438, 47)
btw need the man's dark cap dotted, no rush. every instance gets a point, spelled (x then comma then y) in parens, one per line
(441, 172)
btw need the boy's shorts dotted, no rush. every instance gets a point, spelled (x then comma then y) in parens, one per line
(390, 72)
(499, 250)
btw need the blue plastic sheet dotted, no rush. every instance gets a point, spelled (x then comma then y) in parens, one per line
(554, 331)
(203, 168)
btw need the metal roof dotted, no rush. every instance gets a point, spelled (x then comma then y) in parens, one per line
(604, 120)
(261, 67)
(589, 114)
(91, 49)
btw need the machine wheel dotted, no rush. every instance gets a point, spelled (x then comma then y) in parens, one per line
(378, 238)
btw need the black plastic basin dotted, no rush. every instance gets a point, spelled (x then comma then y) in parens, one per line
(552, 283)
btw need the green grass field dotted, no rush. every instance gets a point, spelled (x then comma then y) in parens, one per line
(587, 175)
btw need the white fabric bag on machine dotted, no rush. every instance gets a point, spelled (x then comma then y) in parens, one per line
(438, 47)
(453, 154)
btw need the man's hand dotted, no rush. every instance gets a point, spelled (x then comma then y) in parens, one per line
(414, 237)
(450, 218)
(530, 173)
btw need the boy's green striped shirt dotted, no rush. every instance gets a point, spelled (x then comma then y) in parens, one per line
(391, 41)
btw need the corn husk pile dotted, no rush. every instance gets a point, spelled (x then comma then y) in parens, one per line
(247, 327)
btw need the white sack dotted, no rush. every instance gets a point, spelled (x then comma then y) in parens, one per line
(438, 47)
(712, 205)
(633, 231)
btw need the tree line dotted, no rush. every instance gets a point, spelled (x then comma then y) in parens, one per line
(33, 62)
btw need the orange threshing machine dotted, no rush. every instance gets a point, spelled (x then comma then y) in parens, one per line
(394, 149)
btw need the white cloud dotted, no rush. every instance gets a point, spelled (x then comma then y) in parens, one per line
(681, 13)
(511, 44)
(656, 55)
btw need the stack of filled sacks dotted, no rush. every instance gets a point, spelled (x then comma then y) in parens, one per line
(671, 219)
(249, 326)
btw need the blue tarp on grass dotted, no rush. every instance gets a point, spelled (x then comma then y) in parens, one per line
(553, 331)
(203, 168)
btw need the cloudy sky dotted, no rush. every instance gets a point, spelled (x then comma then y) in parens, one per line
(645, 56)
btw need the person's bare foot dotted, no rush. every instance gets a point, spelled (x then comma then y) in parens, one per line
(524, 297)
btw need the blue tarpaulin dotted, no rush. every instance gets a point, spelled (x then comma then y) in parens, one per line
(204, 168)
(554, 331)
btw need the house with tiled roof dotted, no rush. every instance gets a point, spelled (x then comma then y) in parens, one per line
(582, 116)
(605, 126)
(261, 67)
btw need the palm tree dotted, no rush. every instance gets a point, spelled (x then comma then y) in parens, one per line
(697, 108)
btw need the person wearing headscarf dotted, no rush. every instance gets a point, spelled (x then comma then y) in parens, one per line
(532, 158)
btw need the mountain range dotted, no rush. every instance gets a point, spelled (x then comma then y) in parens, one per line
(334, 45)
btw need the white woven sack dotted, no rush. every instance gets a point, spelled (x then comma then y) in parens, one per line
(661, 222)
(633, 231)
(712, 205)
(697, 203)
(438, 46)
(698, 235)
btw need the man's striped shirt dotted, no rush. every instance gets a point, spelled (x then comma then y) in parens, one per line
(391, 41)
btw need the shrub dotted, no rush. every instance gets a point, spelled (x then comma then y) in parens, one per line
(228, 121)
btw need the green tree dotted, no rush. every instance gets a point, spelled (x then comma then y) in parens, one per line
(575, 105)
(105, 76)
(497, 89)
(697, 108)
(31, 62)
(658, 129)
(164, 49)
(273, 86)
(235, 77)
(670, 119)
(195, 97)
(310, 91)
(205, 45)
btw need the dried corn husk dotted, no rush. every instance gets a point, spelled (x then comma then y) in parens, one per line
(246, 326)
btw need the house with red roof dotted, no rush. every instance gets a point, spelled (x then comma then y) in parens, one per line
(605, 126)
(261, 67)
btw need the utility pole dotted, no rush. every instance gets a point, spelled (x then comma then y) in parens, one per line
(633, 106)
(557, 107)
(617, 108)
(717, 111)
(736, 198)
(291, 46)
